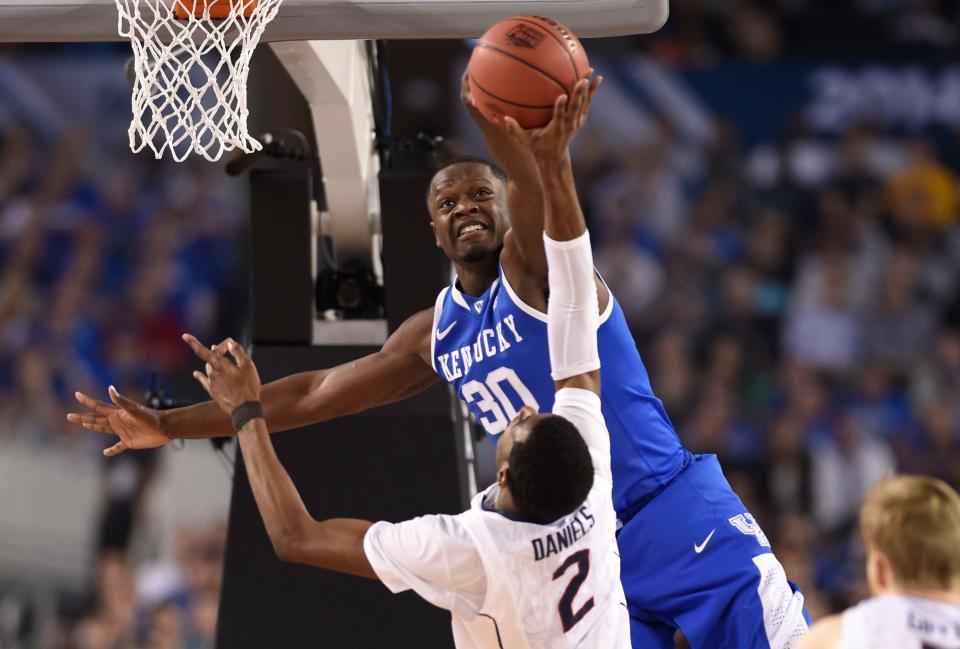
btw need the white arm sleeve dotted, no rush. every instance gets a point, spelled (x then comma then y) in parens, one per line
(583, 409)
(572, 310)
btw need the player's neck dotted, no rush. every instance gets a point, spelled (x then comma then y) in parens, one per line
(476, 278)
(504, 503)
(945, 596)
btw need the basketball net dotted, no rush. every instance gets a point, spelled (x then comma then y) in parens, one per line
(190, 73)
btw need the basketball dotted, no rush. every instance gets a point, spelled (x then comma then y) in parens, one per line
(521, 65)
(219, 9)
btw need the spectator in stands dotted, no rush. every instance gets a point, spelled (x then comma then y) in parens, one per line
(844, 468)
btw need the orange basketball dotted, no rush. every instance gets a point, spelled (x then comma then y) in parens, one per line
(219, 9)
(521, 65)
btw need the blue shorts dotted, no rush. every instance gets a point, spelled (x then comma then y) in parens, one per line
(694, 559)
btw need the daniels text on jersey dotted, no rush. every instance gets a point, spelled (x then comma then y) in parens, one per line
(582, 522)
(489, 342)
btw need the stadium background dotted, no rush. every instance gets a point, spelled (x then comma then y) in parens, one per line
(773, 193)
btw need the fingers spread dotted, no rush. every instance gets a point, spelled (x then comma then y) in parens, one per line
(203, 380)
(198, 348)
(116, 449)
(238, 352)
(579, 97)
(93, 404)
(591, 92)
(594, 84)
(91, 422)
(121, 401)
(516, 131)
(560, 108)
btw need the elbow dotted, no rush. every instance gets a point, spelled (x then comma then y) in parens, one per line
(288, 545)
(320, 407)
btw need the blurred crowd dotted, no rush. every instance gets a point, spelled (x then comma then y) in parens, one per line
(804, 325)
(797, 302)
(102, 268)
(105, 258)
(700, 32)
(170, 604)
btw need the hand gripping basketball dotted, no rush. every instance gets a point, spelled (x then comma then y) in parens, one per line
(137, 426)
(519, 67)
(551, 142)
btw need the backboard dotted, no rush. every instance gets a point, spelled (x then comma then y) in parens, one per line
(96, 20)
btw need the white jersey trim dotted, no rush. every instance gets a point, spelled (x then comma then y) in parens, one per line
(540, 315)
(437, 310)
(783, 620)
(458, 296)
(455, 294)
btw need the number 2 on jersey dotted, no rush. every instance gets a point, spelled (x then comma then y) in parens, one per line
(569, 618)
(493, 401)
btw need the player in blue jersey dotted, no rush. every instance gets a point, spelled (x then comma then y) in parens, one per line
(693, 557)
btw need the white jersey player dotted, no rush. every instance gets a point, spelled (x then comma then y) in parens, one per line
(911, 529)
(533, 563)
(511, 582)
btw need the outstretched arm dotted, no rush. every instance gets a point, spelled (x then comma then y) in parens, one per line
(527, 225)
(232, 381)
(399, 370)
(572, 312)
(524, 191)
(334, 544)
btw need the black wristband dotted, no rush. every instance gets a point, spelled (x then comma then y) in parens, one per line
(243, 413)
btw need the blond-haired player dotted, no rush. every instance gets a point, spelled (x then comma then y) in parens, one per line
(911, 529)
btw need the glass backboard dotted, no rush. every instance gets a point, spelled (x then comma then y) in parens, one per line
(96, 20)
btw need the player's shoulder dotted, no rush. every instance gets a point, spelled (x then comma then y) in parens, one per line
(431, 534)
(417, 326)
(414, 334)
(825, 634)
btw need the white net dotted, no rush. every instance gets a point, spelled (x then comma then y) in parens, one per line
(191, 59)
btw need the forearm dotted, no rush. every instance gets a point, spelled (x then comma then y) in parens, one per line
(563, 218)
(336, 544)
(572, 312)
(518, 162)
(395, 372)
(288, 403)
(283, 512)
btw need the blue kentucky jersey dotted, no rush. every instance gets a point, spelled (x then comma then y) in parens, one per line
(493, 349)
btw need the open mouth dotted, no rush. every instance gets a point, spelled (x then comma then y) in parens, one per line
(470, 228)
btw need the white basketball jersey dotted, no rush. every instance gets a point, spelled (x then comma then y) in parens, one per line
(901, 622)
(558, 585)
(511, 584)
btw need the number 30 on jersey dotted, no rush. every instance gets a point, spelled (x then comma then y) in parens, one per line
(491, 398)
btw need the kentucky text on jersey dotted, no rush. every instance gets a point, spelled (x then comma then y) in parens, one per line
(493, 349)
(489, 343)
(559, 541)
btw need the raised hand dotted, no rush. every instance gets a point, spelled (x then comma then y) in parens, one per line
(466, 98)
(508, 153)
(231, 378)
(137, 426)
(551, 142)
